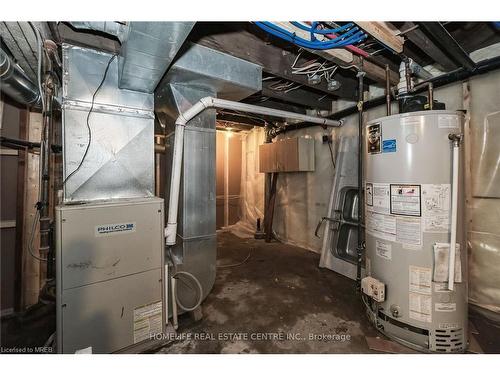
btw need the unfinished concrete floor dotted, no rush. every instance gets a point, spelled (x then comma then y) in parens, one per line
(279, 290)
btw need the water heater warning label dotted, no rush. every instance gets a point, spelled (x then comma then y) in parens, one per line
(420, 307)
(420, 280)
(405, 200)
(436, 207)
(377, 197)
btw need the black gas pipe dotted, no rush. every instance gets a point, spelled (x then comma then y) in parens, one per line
(359, 248)
(461, 74)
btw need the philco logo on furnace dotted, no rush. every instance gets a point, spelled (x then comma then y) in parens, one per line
(108, 229)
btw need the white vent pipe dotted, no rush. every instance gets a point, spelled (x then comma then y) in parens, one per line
(454, 209)
(196, 109)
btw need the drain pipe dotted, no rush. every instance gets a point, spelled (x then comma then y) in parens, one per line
(455, 139)
(196, 109)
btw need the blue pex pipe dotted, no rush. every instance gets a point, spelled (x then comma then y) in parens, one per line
(291, 37)
(321, 31)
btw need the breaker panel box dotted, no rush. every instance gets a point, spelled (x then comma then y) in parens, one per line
(110, 274)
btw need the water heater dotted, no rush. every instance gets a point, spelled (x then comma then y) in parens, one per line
(414, 205)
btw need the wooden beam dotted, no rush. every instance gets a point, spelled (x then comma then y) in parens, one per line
(87, 38)
(8, 152)
(427, 46)
(7, 224)
(373, 71)
(449, 45)
(31, 266)
(384, 34)
(281, 105)
(343, 57)
(272, 58)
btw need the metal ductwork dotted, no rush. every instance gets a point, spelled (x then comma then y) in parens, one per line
(197, 73)
(148, 49)
(15, 83)
(107, 27)
(121, 163)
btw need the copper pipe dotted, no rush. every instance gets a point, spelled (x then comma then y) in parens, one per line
(430, 95)
(388, 89)
(407, 75)
(159, 149)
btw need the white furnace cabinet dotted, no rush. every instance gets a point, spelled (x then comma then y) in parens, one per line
(110, 273)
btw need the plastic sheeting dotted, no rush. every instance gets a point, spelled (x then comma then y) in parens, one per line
(252, 185)
(484, 199)
(228, 178)
(302, 197)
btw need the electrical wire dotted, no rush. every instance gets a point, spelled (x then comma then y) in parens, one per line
(39, 43)
(32, 237)
(314, 68)
(43, 142)
(88, 117)
(237, 264)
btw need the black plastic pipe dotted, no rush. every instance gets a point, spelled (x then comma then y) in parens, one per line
(442, 80)
(359, 248)
(18, 143)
